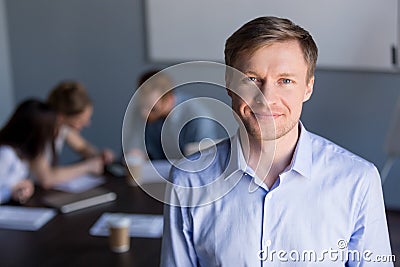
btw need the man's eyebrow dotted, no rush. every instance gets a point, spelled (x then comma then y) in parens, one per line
(281, 74)
(250, 72)
(286, 74)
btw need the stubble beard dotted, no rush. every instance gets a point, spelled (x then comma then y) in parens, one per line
(270, 132)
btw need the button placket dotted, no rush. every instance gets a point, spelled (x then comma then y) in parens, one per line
(266, 237)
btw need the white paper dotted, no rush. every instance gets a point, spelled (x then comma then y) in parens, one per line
(81, 184)
(141, 225)
(24, 218)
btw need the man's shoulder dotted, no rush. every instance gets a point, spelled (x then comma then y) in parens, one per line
(332, 153)
(336, 169)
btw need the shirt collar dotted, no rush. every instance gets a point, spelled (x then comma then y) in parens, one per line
(234, 167)
(301, 161)
(302, 156)
(243, 167)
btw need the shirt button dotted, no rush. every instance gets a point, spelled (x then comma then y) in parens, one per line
(269, 196)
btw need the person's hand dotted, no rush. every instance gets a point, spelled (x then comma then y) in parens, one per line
(108, 156)
(22, 191)
(95, 165)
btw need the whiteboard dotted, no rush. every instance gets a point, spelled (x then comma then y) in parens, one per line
(350, 34)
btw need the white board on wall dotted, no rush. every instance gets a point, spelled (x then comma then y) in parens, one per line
(356, 34)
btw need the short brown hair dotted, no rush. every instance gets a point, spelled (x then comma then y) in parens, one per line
(69, 98)
(264, 31)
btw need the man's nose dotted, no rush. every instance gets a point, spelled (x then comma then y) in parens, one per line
(266, 94)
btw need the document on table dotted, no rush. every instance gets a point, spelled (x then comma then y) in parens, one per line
(24, 218)
(81, 184)
(142, 225)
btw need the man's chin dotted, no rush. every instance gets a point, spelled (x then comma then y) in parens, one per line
(262, 135)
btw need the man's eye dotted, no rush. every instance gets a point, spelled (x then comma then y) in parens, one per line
(286, 81)
(251, 79)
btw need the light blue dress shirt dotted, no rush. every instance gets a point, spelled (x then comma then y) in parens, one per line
(325, 209)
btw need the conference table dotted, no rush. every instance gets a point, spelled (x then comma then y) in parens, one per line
(65, 239)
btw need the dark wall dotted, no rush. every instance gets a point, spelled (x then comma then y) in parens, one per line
(102, 44)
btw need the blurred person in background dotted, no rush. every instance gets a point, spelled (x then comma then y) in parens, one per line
(74, 109)
(157, 101)
(25, 140)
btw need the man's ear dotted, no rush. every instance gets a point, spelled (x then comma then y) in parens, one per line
(309, 89)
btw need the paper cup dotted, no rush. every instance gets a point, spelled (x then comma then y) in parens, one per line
(119, 239)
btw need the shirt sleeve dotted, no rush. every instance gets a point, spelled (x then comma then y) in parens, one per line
(7, 175)
(370, 237)
(5, 193)
(177, 246)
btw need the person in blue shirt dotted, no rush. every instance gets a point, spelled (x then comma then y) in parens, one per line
(164, 110)
(274, 194)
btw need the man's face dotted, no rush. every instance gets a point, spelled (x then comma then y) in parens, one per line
(279, 71)
(80, 120)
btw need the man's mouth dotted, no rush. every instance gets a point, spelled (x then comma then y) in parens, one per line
(266, 115)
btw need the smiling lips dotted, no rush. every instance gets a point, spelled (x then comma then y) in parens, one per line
(266, 115)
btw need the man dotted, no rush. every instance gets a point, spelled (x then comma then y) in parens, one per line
(286, 196)
(157, 103)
